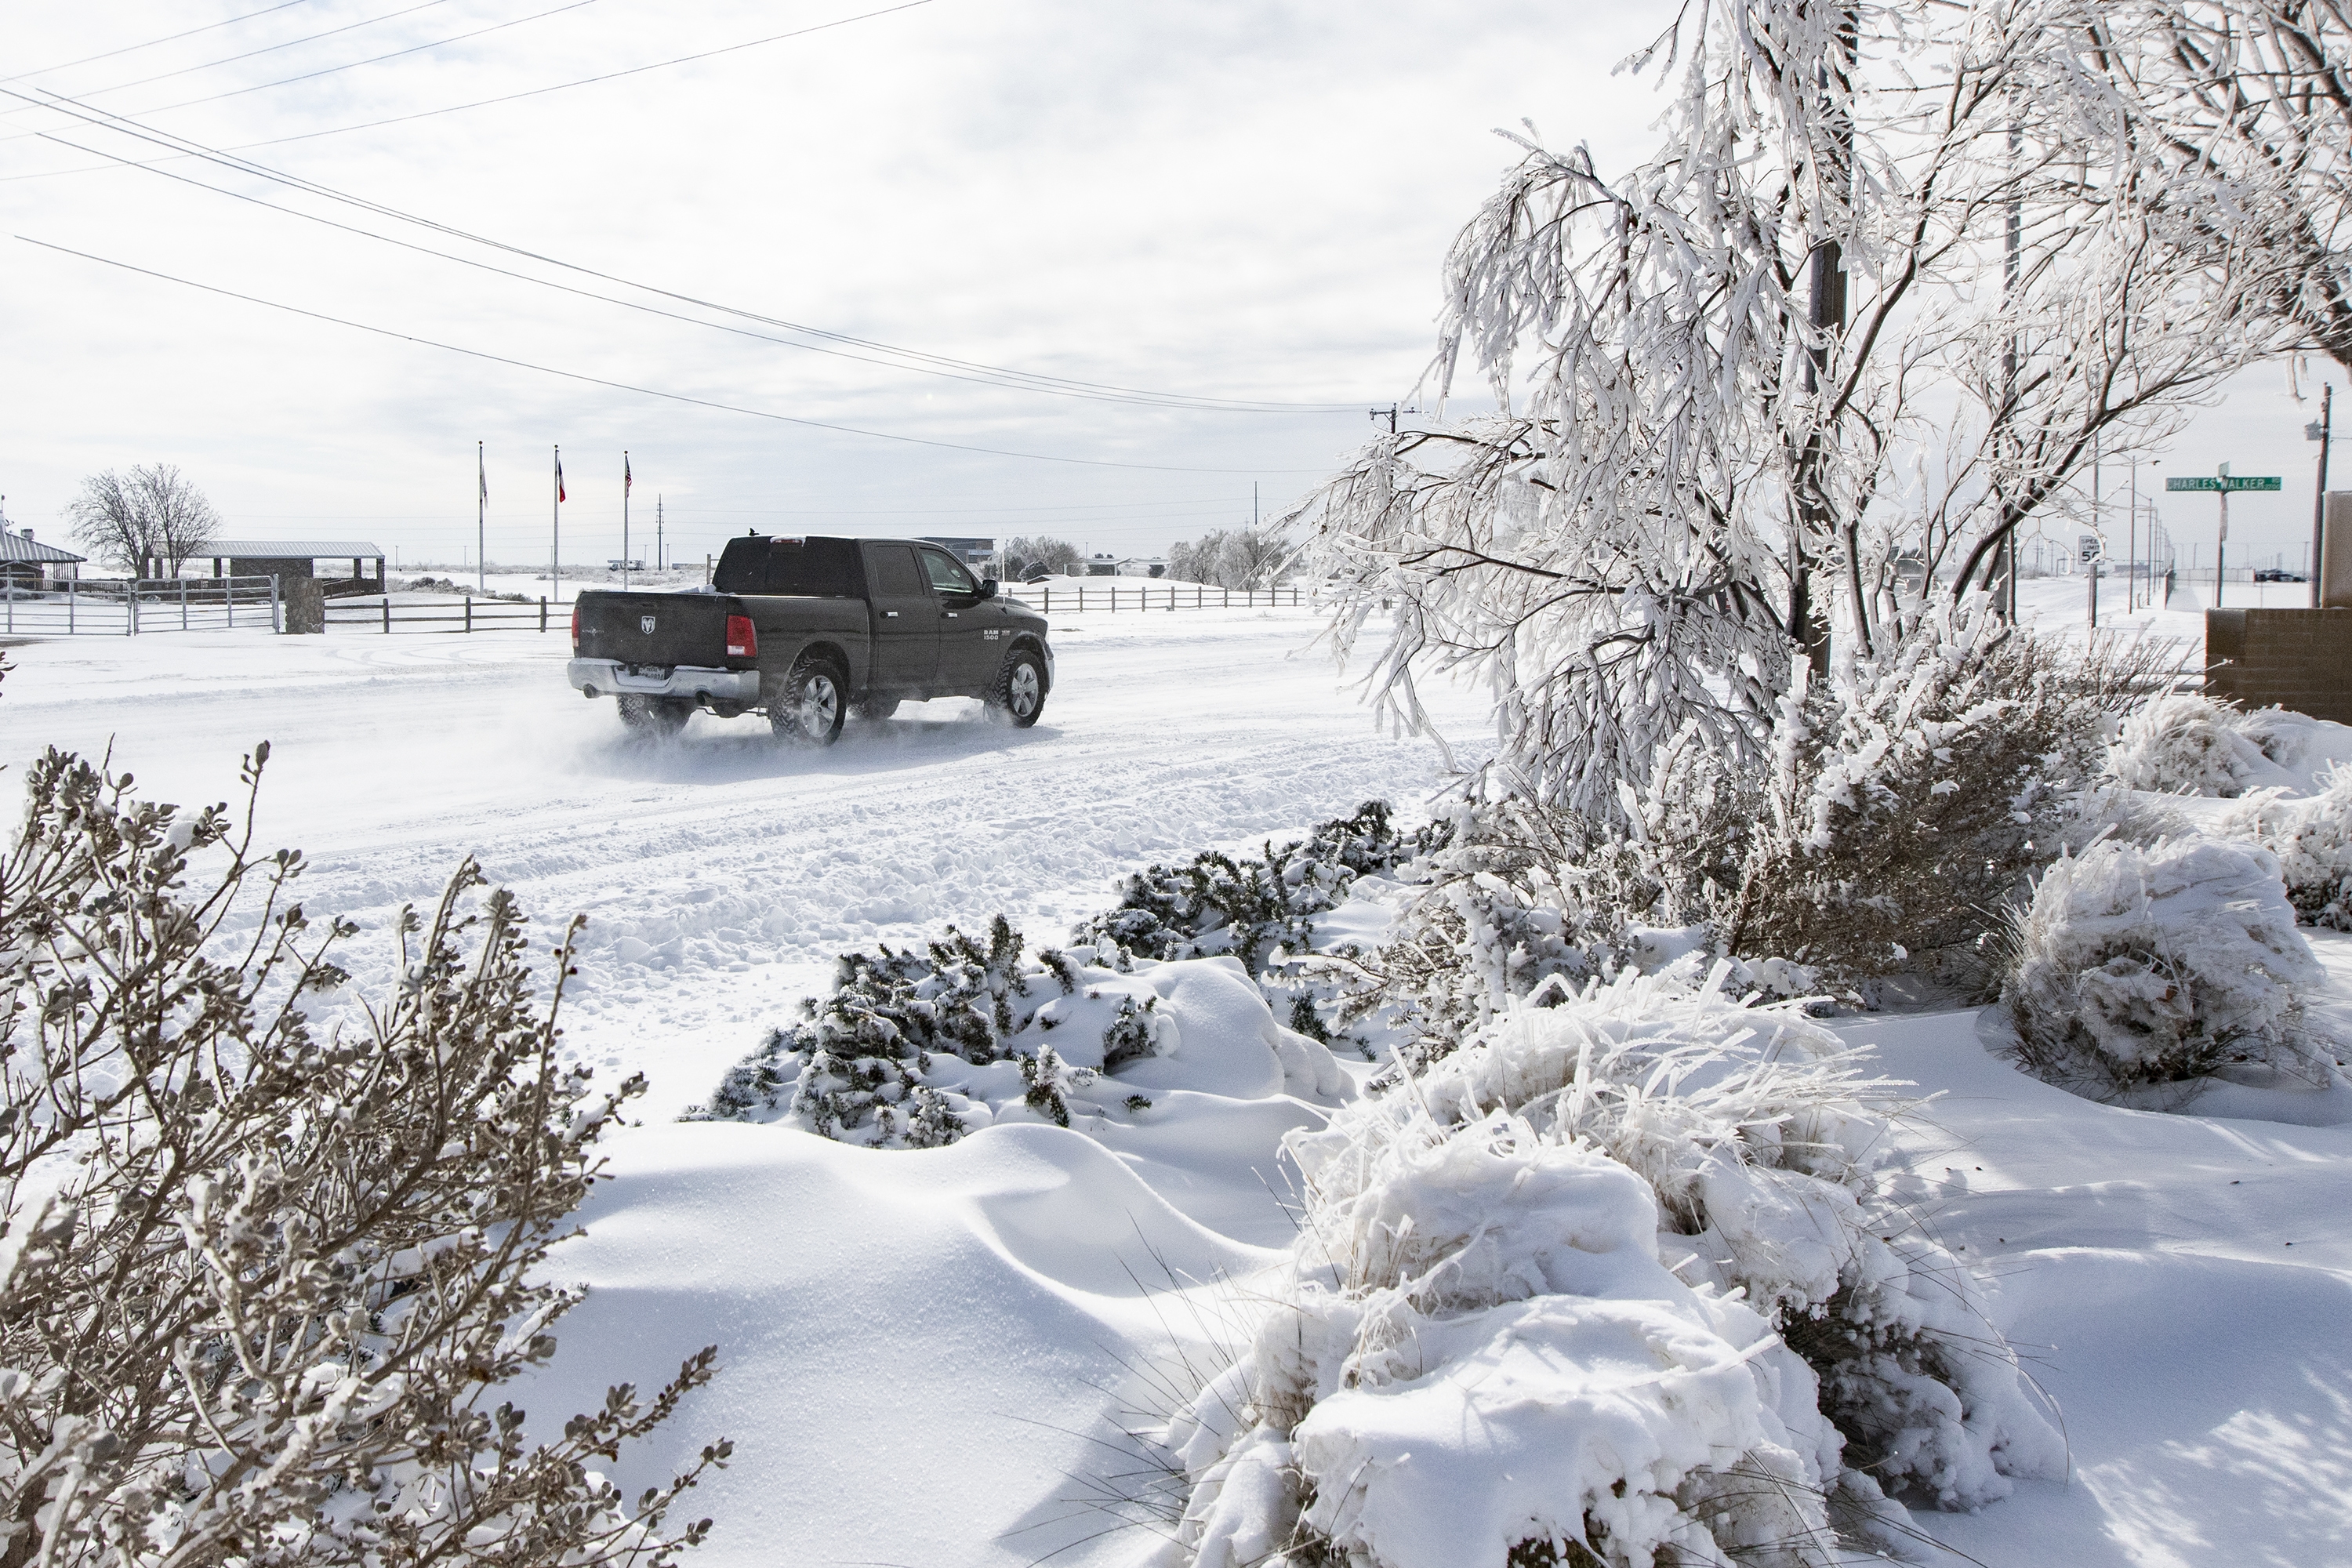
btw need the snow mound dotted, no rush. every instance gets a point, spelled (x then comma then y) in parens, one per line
(2194, 745)
(917, 1049)
(1535, 1296)
(2142, 966)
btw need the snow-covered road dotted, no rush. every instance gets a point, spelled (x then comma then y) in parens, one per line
(722, 872)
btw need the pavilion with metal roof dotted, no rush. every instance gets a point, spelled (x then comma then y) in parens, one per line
(293, 558)
(26, 560)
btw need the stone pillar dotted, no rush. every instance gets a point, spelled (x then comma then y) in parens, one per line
(305, 604)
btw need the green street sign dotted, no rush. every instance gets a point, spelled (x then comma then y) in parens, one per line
(2234, 482)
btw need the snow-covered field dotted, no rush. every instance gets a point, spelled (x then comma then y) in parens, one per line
(929, 1357)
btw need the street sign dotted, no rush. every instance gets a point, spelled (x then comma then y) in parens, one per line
(2234, 482)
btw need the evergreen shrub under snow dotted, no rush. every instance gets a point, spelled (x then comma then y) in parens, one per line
(2141, 965)
(1612, 1284)
(912, 1049)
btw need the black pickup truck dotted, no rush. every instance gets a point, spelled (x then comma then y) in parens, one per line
(806, 629)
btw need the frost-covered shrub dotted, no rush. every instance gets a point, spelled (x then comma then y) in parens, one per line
(1910, 799)
(2137, 965)
(1533, 1310)
(2189, 745)
(913, 1049)
(2313, 840)
(264, 1282)
(1249, 907)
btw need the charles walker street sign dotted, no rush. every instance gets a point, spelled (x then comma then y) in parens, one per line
(2219, 486)
(2226, 482)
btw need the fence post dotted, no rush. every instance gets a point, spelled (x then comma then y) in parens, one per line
(183, 604)
(542, 610)
(387, 614)
(12, 601)
(469, 612)
(70, 585)
(277, 609)
(130, 626)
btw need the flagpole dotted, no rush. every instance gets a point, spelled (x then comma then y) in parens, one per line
(555, 559)
(625, 482)
(481, 517)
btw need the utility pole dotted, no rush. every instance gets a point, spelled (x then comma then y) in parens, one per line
(2321, 432)
(2131, 544)
(1389, 414)
(657, 534)
(481, 517)
(626, 481)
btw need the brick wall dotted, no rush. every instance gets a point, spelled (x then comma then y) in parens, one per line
(2289, 659)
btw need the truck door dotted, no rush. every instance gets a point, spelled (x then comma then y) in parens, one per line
(968, 654)
(906, 620)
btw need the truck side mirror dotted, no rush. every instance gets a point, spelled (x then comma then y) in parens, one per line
(988, 587)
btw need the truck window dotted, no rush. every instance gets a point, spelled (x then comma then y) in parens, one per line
(946, 576)
(818, 568)
(895, 576)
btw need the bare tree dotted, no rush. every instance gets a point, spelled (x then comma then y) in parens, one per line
(150, 521)
(1238, 558)
(1053, 554)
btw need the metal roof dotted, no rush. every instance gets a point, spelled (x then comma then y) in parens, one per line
(290, 549)
(16, 547)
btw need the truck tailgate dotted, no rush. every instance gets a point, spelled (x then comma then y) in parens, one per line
(657, 628)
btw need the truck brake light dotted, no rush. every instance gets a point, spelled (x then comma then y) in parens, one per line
(575, 631)
(742, 639)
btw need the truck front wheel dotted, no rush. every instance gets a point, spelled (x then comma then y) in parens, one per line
(809, 708)
(1019, 695)
(659, 717)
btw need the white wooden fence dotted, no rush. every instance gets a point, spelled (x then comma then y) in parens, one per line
(125, 606)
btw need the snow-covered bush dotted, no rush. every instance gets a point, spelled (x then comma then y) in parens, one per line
(1532, 1312)
(912, 1050)
(1250, 907)
(2313, 840)
(2138, 965)
(2190, 745)
(261, 1282)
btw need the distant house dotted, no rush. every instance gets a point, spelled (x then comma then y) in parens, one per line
(1100, 565)
(27, 562)
(293, 558)
(1143, 566)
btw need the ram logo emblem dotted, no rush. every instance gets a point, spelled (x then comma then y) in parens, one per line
(646, 624)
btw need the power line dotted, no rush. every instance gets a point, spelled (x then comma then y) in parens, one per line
(539, 91)
(916, 360)
(249, 54)
(168, 38)
(372, 60)
(645, 391)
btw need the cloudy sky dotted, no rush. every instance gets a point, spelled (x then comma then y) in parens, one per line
(873, 212)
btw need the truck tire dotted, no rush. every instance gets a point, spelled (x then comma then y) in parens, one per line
(1019, 694)
(807, 710)
(658, 716)
(874, 710)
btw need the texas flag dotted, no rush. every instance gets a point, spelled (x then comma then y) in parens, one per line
(559, 477)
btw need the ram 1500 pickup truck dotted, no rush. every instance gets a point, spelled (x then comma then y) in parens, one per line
(808, 629)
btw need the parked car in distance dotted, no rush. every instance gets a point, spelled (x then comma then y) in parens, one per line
(807, 630)
(2277, 574)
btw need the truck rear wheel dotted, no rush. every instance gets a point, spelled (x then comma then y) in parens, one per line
(808, 710)
(1019, 695)
(660, 717)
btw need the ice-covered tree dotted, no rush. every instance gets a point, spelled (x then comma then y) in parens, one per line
(1894, 276)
